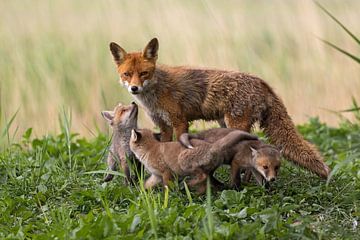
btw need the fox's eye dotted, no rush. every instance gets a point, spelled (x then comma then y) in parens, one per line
(142, 74)
(277, 168)
(265, 167)
(126, 74)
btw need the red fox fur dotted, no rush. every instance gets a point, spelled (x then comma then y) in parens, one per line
(173, 96)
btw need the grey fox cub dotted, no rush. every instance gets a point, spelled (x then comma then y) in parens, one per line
(122, 119)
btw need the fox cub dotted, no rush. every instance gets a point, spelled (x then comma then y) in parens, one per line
(173, 96)
(261, 159)
(163, 159)
(122, 119)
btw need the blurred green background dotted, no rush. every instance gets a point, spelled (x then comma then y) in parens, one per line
(54, 54)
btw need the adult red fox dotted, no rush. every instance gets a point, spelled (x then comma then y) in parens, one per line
(173, 96)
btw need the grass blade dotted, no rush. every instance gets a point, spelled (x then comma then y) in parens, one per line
(65, 123)
(8, 124)
(338, 167)
(166, 197)
(355, 109)
(7, 127)
(209, 224)
(338, 22)
(106, 172)
(342, 51)
(188, 194)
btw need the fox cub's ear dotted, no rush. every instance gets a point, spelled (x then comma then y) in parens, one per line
(151, 49)
(108, 115)
(254, 152)
(117, 52)
(135, 135)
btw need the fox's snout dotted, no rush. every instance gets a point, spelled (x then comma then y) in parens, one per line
(271, 179)
(270, 176)
(135, 89)
(132, 88)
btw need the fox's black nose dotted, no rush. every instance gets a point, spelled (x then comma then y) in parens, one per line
(133, 103)
(272, 179)
(134, 88)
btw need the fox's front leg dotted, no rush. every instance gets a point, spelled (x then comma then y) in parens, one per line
(152, 181)
(166, 132)
(166, 177)
(111, 166)
(125, 168)
(180, 126)
(235, 176)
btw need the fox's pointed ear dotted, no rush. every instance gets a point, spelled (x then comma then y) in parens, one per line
(253, 152)
(151, 49)
(135, 135)
(108, 115)
(117, 52)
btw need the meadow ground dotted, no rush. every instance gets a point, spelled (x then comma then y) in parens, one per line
(54, 54)
(51, 188)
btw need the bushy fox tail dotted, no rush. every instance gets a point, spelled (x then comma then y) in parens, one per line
(279, 127)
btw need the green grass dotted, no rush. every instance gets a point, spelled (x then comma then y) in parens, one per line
(55, 53)
(47, 192)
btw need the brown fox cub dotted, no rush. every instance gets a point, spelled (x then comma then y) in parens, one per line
(163, 159)
(123, 119)
(261, 159)
(173, 96)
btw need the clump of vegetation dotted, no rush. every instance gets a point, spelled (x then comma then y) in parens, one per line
(55, 53)
(51, 188)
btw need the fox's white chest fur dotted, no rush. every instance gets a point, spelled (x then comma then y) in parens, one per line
(149, 100)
